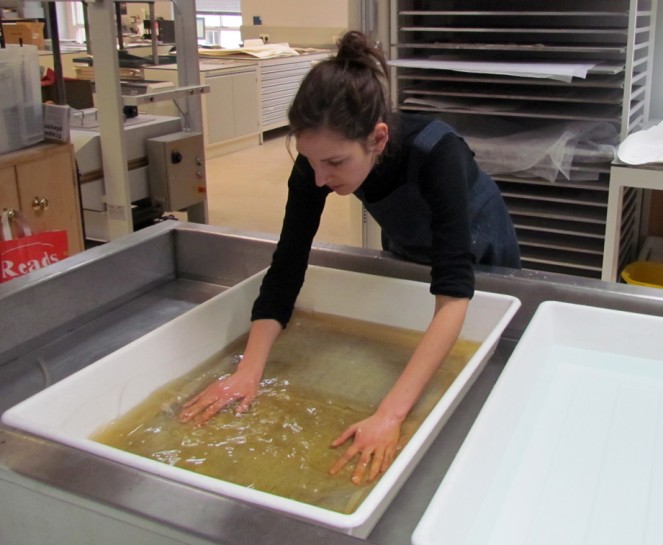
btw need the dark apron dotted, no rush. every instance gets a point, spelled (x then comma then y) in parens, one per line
(405, 217)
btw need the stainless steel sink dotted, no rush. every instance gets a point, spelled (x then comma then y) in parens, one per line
(61, 319)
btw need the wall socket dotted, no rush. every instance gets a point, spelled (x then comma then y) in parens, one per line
(264, 38)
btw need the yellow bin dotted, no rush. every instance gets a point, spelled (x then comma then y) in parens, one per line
(644, 273)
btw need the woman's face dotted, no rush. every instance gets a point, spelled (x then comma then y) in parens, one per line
(339, 163)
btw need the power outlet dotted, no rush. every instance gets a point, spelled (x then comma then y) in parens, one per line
(264, 38)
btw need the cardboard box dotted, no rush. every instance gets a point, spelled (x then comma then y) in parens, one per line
(29, 33)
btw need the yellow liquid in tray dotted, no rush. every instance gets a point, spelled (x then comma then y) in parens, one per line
(324, 373)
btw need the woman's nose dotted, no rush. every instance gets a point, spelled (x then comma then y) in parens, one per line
(321, 177)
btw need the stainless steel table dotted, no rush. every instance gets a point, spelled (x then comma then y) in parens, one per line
(69, 315)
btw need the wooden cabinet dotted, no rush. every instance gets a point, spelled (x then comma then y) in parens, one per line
(231, 105)
(8, 189)
(41, 181)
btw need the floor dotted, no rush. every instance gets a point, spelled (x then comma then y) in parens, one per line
(247, 190)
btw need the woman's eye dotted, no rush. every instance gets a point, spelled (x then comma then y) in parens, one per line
(335, 163)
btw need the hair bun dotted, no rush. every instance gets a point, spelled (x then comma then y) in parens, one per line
(347, 93)
(354, 46)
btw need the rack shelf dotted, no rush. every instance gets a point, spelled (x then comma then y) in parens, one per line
(446, 63)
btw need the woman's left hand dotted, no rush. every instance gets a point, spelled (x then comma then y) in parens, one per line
(376, 442)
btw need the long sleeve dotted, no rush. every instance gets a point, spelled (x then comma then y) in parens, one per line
(285, 276)
(445, 182)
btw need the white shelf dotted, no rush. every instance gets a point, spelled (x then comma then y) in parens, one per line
(159, 96)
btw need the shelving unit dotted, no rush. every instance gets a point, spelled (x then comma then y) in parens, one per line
(278, 80)
(444, 57)
(622, 178)
(101, 17)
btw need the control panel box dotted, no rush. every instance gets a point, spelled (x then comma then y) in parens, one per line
(177, 169)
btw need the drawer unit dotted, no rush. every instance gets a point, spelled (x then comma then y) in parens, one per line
(279, 80)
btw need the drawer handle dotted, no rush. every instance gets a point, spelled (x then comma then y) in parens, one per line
(39, 204)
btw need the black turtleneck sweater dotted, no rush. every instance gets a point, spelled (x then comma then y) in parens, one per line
(444, 179)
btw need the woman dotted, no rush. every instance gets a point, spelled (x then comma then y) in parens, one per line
(420, 182)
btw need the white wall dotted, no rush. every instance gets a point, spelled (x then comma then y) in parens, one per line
(161, 9)
(292, 13)
(303, 23)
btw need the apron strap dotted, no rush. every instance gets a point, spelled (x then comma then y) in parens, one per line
(423, 143)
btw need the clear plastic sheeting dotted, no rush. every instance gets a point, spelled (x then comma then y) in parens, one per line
(21, 116)
(547, 152)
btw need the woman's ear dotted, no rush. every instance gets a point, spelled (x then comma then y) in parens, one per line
(380, 137)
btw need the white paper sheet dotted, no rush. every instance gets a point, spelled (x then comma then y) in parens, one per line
(643, 147)
(552, 70)
(267, 51)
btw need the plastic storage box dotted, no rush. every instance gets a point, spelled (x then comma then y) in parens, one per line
(568, 446)
(21, 115)
(71, 410)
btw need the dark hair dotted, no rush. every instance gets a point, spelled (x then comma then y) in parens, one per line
(346, 93)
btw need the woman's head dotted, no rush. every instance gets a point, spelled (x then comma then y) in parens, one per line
(339, 163)
(339, 115)
(346, 94)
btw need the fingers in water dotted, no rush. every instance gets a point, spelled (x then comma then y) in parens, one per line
(348, 455)
(369, 467)
(347, 434)
(376, 465)
(390, 456)
(360, 471)
(370, 461)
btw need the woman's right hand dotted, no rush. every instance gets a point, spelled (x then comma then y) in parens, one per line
(237, 387)
(242, 386)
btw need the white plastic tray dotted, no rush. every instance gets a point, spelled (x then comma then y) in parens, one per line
(568, 448)
(74, 408)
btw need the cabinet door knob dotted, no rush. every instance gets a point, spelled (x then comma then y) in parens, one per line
(39, 203)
